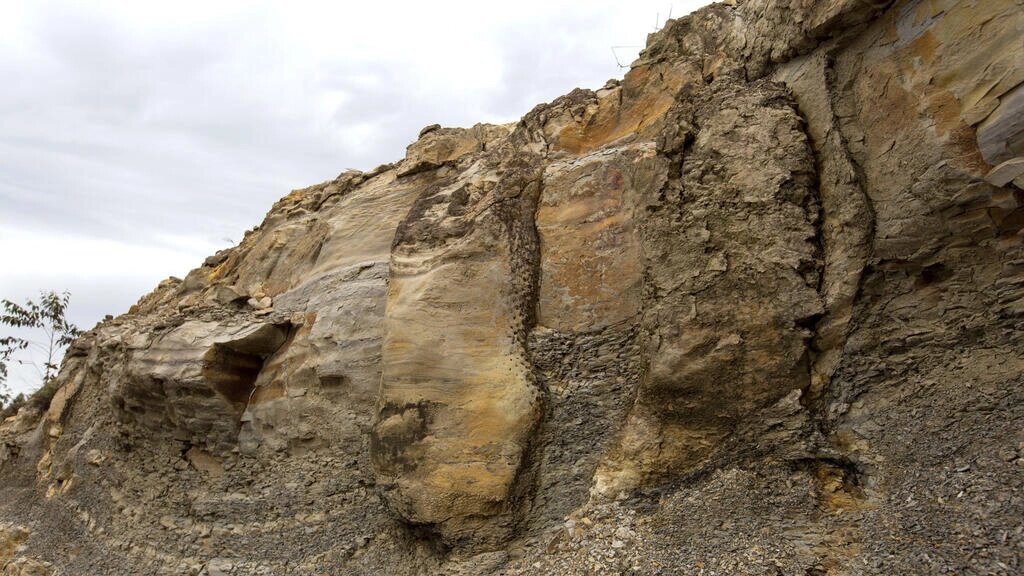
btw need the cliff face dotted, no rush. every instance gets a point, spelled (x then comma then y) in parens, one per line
(754, 309)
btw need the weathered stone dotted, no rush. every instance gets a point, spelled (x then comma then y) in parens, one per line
(745, 183)
(591, 265)
(761, 297)
(1001, 135)
(438, 145)
(12, 543)
(458, 402)
(1006, 172)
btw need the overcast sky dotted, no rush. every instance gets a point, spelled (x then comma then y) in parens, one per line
(136, 138)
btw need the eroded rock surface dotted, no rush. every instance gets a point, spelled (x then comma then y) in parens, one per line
(755, 308)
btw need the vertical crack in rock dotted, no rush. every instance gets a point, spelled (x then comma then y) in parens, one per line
(846, 226)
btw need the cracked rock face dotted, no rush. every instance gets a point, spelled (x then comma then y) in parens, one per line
(755, 308)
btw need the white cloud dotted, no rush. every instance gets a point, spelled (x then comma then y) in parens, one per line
(37, 254)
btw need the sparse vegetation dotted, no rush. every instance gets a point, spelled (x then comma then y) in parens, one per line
(48, 316)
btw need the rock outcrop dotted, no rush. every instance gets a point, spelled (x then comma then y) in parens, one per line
(755, 308)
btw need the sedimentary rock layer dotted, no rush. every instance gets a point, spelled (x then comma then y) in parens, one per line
(754, 308)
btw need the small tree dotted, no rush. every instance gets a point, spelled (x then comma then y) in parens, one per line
(48, 315)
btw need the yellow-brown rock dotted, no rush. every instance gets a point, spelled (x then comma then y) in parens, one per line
(755, 308)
